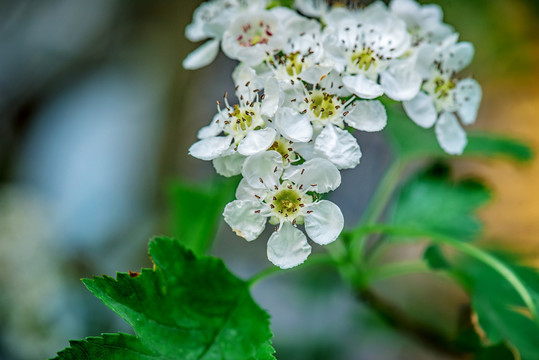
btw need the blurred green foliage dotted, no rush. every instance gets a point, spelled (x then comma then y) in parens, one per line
(196, 209)
(431, 201)
(411, 141)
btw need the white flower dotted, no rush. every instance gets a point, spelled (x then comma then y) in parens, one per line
(367, 45)
(254, 34)
(243, 125)
(210, 20)
(302, 56)
(443, 97)
(270, 191)
(424, 22)
(319, 114)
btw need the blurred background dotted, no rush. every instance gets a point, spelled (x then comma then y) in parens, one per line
(96, 116)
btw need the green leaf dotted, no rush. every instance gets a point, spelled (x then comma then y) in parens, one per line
(501, 312)
(108, 346)
(412, 141)
(196, 211)
(433, 202)
(492, 145)
(187, 307)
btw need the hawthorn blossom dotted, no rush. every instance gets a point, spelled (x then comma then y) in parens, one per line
(254, 34)
(424, 22)
(318, 113)
(210, 20)
(302, 57)
(366, 45)
(444, 99)
(303, 85)
(243, 125)
(286, 197)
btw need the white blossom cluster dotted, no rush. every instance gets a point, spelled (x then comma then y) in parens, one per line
(306, 78)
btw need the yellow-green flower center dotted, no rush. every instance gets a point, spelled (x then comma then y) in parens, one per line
(443, 87)
(364, 59)
(287, 202)
(293, 64)
(242, 120)
(323, 105)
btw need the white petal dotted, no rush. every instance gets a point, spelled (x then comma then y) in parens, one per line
(288, 247)
(367, 115)
(257, 141)
(210, 148)
(421, 110)
(293, 125)
(229, 165)
(451, 136)
(320, 175)
(202, 56)
(213, 129)
(247, 192)
(401, 81)
(315, 73)
(338, 146)
(306, 150)
(243, 74)
(432, 13)
(362, 87)
(195, 31)
(458, 56)
(406, 9)
(325, 223)
(273, 97)
(265, 167)
(252, 56)
(468, 96)
(425, 56)
(241, 217)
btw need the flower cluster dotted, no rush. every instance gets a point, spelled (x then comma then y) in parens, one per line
(307, 77)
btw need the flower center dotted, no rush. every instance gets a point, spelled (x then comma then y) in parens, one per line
(283, 147)
(287, 201)
(258, 34)
(364, 59)
(292, 63)
(242, 119)
(440, 87)
(323, 105)
(443, 87)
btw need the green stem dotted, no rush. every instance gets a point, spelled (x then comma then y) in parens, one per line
(320, 259)
(467, 249)
(377, 205)
(397, 269)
